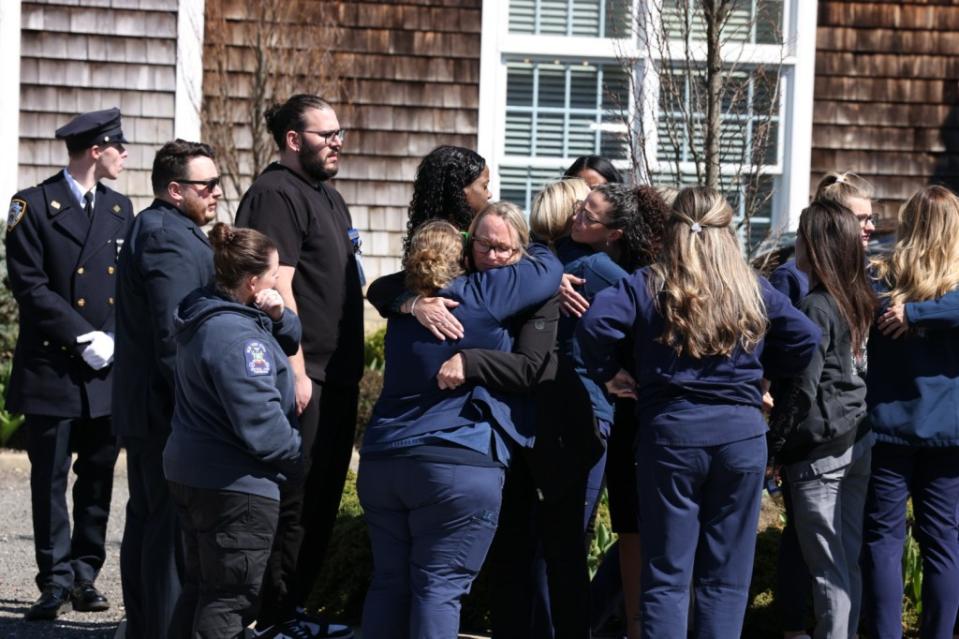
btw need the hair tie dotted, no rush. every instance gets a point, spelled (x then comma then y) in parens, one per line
(695, 227)
(841, 179)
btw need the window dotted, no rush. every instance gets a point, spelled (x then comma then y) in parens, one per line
(594, 18)
(561, 90)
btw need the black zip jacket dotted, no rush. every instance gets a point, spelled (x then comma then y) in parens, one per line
(822, 411)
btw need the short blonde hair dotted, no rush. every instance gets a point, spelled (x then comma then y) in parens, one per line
(510, 214)
(554, 207)
(842, 187)
(435, 257)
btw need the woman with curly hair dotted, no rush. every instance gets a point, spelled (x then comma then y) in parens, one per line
(703, 326)
(452, 184)
(561, 477)
(435, 452)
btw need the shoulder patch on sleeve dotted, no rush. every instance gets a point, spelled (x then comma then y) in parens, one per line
(18, 208)
(257, 358)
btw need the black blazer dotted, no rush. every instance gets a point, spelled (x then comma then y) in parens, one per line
(63, 270)
(166, 257)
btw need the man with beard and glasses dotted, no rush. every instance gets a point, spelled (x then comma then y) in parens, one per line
(166, 256)
(320, 279)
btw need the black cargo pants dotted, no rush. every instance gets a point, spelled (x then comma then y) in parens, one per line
(227, 538)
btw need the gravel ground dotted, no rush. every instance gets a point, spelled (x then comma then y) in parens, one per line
(18, 569)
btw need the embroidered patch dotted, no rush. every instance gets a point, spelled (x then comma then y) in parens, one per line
(257, 362)
(18, 208)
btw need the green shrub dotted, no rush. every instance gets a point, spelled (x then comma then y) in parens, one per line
(8, 423)
(345, 576)
(375, 352)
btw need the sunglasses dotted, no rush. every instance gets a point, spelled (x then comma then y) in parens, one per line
(210, 184)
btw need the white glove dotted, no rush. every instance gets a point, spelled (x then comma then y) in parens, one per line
(99, 351)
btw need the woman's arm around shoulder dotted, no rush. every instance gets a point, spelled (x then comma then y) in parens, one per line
(609, 320)
(791, 338)
(529, 363)
(510, 289)
(387, 293)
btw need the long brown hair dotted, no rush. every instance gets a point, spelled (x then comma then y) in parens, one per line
(924, 264)
(707, 294)
(830, 235)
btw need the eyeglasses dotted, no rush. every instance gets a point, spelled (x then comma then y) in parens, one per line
(340, 134)
(581, 212)
(485, 246)
(210, 184)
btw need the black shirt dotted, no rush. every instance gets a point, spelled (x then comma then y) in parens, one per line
(310, 226)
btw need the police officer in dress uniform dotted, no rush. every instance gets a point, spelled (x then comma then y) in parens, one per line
(63, 239)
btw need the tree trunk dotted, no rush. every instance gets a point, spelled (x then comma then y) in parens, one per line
(714, 13)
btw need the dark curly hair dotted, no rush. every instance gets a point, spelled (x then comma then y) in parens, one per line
(438, 188)
(641, 213)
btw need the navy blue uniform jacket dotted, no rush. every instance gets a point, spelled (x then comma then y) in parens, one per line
(913, 382)
(685, 401)
(234, 422)
(412, 410)
(166, 256)
(790, 281)
(63, 272)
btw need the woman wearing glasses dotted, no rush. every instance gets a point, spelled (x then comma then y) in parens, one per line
(434, 455)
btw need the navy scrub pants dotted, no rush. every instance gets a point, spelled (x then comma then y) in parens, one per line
(699, 507)
(431, 525)
(931, 476)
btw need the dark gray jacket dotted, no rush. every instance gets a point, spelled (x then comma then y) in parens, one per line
(234, 422)
(821, 412)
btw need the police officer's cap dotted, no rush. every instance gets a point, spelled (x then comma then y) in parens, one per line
(93, 128)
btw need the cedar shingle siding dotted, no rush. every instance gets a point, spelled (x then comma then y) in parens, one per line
(411, 73)
(82, 58)
(887, 95)
(414, 73)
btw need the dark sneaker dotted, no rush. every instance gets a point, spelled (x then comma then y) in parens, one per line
(86, 598)
(53, 601)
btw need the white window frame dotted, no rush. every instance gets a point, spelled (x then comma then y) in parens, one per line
(797, 76)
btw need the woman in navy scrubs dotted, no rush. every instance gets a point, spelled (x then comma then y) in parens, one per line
(704, 328)
(913, 389)
(433, 457)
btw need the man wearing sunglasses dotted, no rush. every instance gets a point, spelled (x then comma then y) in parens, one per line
(165, 257)
(61, 244)
(292, 203)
